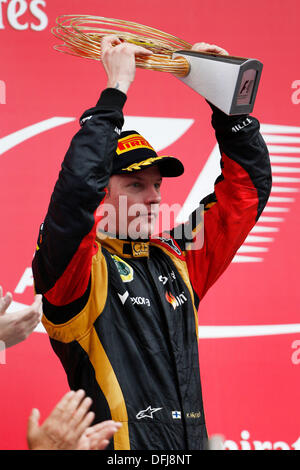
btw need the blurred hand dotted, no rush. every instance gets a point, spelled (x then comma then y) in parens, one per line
(67, 426)
(205, 47)
(17, 326)
(64, 426)
(98, 436)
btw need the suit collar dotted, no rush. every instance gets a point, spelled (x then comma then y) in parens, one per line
(124, 248)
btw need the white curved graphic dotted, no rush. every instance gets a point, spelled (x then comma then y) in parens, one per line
(160, 132)
(246, 331)
(16, 138)
(214, 331)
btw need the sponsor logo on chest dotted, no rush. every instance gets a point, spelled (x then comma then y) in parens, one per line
(175, 300)
(138, 300)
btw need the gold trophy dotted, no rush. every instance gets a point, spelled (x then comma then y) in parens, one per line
(228, 82)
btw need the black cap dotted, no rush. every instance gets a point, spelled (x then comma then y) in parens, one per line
(134, 153)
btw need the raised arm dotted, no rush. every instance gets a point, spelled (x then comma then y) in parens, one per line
(224, 218)
(66, 242)
(240, 195)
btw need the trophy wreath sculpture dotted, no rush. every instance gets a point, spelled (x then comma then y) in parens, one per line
(82, 37)
(229, 82)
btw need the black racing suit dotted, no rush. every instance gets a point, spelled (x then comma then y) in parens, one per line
(121, 314)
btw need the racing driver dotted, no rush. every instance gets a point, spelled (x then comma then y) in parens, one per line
(120, 309)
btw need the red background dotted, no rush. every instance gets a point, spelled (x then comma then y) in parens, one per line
(250, 383)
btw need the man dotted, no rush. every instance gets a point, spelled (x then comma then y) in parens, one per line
(121, 312)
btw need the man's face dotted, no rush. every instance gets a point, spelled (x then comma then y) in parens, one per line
(135, 198)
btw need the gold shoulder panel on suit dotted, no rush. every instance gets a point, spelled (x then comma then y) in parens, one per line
(107, 381)
(80, 324)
